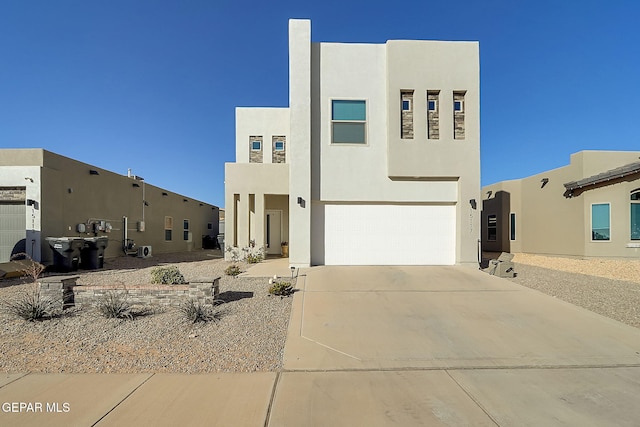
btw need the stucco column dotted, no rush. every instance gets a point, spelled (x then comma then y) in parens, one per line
(243, 221)
(259, 220)
(300, 146)
(229, 223)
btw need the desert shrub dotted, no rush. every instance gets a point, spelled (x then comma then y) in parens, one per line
(114, 305)
(281, 289)
(232, 270)
(30, 305)
(254, 258)
(194, 311)
(167, 276)
(30, 268)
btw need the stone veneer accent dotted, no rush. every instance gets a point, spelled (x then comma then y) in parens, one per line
(433, 117)
(458, 116)
(255, 156)
(278, 156)
(407, 115)
(65, 289)
(13, 194)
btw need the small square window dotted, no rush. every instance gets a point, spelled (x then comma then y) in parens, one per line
(256, 145)
(433, 105)
(458, 106)
(279, 145)
(406, 105)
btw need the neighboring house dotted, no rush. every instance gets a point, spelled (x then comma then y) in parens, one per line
(43, 194)
(376, 161)
(590, 208)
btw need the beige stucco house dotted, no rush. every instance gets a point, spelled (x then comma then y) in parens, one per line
(376, 160)
(43, 194)
(589, 208)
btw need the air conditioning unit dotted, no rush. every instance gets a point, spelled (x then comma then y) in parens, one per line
(144, 251)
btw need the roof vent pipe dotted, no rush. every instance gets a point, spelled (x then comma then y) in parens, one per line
(129, 172)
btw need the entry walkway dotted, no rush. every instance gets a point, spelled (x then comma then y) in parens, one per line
(382, 346)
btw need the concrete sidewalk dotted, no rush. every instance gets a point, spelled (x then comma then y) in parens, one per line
(382, 346)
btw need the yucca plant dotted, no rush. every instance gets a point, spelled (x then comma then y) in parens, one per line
(114, 305)
(30, 305)
(194, 311)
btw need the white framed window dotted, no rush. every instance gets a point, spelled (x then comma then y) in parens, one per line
(185, 227)
(492, 228)
(432, 105)
(279, 146)
(600, 222)
(635, 214)
(406, 105)
(458, 106)
(256, 145)
(348, 121)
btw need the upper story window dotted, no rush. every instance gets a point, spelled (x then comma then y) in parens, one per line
(348, 121)
(635, 215)
(256, 145)
(433, 105)
(458, 106)
(406, 105)
(279, 146)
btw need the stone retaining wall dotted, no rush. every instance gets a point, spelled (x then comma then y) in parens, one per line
(71, 294)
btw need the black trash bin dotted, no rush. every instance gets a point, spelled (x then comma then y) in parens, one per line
(66, 252)
(93, 252)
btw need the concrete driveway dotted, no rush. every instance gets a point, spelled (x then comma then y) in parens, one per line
(450, 346)
(381, 346)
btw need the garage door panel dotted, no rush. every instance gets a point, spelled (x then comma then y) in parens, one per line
(390, 235)
(12, 228)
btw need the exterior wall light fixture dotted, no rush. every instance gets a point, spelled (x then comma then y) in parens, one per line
(544, 182)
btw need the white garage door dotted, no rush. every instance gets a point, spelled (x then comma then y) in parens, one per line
(390, 235)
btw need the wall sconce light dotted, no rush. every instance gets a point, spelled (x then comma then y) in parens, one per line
(301, 202)
(489, 193)
(69, 190)
(93, 172)
(135, 184)
(473, 204)
(544, 182)
(146, 203)
(31, 202)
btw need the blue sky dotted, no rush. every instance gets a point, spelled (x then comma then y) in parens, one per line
(152, 85)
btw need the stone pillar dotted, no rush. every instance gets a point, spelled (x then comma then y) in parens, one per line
(58, 288)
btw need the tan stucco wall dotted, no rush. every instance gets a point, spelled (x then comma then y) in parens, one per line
(71, 195)
(550, 223)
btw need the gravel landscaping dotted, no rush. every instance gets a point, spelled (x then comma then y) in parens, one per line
(605, 286)
(248, 336)
(251, 330)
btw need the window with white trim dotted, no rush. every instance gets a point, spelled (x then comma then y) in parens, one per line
(635, 215)
(185, 227)
(348, 121)
(600, 222)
